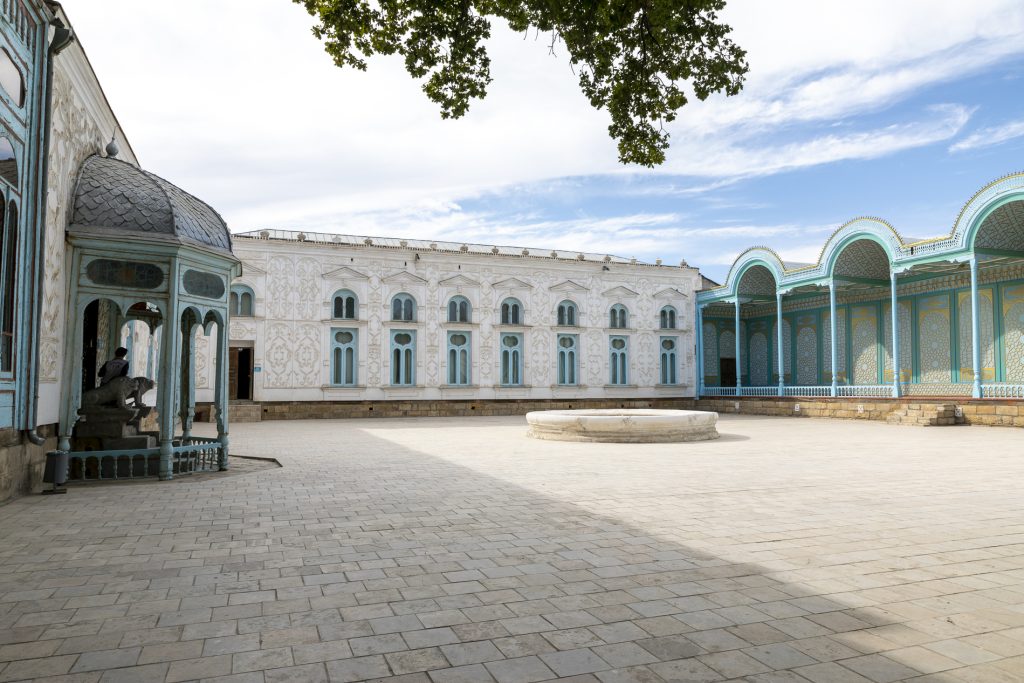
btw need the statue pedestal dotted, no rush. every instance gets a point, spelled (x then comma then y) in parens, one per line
(112, 428)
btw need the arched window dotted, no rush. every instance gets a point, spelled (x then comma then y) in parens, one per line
(241, 304)
(458, 358)
(618, 317)
(458, 310)
(512, 359)
(668, 360)
(344, 367)
(8, 296)
(403, 357)
(668, 318)
(8, 162)
(567, 314)
(619, 348)
(568, 368)
(403, 308)
(344, 305)
(511, 312)
(11, 80)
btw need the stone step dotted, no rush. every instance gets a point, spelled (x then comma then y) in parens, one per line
(924, 415)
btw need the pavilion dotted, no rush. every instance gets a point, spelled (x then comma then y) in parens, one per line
(878, 315)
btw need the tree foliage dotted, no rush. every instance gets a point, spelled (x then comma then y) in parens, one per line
(637, 58)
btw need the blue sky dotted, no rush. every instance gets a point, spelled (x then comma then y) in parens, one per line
(898, 110)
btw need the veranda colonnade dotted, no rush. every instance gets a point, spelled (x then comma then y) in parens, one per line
(867, 257)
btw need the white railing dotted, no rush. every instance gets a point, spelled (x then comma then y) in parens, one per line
(759, 391)
(866, 390)
(807, 391)
(1002, 390)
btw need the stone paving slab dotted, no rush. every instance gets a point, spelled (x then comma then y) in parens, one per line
(460, 551)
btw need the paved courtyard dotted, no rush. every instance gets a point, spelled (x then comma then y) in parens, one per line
(457, 550)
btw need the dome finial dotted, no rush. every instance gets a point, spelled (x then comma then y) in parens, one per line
(112, 149)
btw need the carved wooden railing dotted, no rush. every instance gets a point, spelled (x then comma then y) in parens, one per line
(197, 454)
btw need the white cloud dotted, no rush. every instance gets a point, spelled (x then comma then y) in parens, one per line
(235, 101)
(728, 161)
(988, 137)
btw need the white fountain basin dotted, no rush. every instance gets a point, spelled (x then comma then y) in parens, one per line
(623, 425)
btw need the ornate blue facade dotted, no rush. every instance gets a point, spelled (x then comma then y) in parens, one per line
(877, 315)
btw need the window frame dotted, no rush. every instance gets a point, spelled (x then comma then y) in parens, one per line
(618, 316)
(345, 296)
(461, 308)
(668, 318)
(567, 313)
(618, 368)
(673, 354)
(568, 361)
(237, 297)
(407, 310)
(459, 359)
(352, 363)
(511, 305)
(514, 358)
(406, 359)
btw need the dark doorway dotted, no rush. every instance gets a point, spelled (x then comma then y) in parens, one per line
(727, 371)
(90, 332)
(240, 366)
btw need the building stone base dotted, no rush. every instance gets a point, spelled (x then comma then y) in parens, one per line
(311, 410)
(910, 410)
(22, 462)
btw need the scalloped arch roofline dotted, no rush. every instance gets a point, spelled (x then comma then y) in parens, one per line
(958, 242)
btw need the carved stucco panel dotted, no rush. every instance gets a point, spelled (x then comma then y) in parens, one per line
(203, 361)
(73, 137)
(278, 356)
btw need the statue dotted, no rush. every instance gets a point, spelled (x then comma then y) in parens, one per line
(111, 416)
(117, 391)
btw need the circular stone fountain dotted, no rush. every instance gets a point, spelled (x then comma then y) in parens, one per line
(623, 426)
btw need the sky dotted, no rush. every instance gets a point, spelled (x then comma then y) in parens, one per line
(899, 110)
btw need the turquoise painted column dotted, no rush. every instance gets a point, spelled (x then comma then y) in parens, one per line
(167, 384)
(833, 328)
(975, 330)
(895, 310)
(221, 398)
(778, 334)
(149, 352)
(739, 363)
(187, 400)
(699, 327)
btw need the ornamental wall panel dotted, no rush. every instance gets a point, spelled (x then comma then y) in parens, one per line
(806, 350)
(787, 352)
(933, 339)
(710, 352)
(986, 330)
(906, 341)
(759, 357)
(826, 346)
(1013, 333)
(864, 344)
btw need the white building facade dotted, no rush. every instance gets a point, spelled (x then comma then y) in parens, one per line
(319, 317)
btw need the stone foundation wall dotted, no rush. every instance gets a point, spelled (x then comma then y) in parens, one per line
(1009, 413)
(21, 462)
(310, 410)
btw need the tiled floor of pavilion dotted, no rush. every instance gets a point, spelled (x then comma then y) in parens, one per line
(452, 550)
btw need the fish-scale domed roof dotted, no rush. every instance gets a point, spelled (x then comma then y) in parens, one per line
(114, 196)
